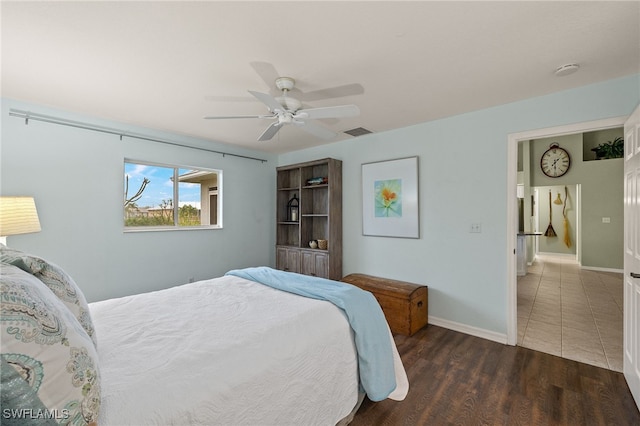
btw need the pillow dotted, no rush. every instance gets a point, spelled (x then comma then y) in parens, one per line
(52, 361)
(57, 280)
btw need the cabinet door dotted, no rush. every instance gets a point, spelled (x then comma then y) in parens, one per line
(315, 264)
(293, 261)
(306, 263)
(321, 264)
(281, 259)
(287, 260)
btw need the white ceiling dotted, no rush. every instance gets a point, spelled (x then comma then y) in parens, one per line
(165, 65)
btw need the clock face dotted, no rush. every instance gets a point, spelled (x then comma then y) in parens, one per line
(555, 161)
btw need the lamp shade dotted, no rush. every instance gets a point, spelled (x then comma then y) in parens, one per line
(18, 215)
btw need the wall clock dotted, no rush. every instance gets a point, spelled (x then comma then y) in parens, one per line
(555, 161)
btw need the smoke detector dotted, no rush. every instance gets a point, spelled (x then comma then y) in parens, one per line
(566, 70)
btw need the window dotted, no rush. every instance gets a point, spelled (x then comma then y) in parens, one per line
(150, 191)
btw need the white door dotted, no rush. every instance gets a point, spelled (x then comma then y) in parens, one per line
(632, 253)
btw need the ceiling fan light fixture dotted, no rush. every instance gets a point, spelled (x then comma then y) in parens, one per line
(566, 69)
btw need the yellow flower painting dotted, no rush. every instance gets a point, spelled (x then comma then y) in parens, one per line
(388, 198)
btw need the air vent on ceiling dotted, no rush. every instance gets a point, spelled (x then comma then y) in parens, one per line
(358, 131)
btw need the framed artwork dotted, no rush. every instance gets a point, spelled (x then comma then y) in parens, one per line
(390, 198)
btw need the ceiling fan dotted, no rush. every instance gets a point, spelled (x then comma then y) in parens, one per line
(268, 73)
(287, 110)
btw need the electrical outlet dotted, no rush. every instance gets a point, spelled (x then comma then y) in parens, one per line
(606, 220)
(476, 228)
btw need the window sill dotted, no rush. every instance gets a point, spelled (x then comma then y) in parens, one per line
(133, 229)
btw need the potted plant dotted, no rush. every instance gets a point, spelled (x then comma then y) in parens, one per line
(610, 149)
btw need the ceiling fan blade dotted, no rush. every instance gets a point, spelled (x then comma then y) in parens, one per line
(268, 100)
(329, 112)
(237, 116)
(270, 131)
(332, 92)
(267, 73)
(316, 130)
(214, 98)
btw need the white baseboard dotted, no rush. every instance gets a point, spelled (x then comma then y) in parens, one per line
(573, 256)
(565, 255)
(595, 268)
(467, 329)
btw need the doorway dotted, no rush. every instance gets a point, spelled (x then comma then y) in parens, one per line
(512, 210)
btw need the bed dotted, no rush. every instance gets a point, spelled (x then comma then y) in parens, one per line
(227, 351)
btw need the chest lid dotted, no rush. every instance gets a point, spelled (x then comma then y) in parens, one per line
(385, 286)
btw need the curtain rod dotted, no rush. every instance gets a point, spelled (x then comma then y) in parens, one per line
(28, 115)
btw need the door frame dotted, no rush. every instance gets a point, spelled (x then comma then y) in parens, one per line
(512, 207)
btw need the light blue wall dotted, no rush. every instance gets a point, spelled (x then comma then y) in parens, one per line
(463, 180)
(76, 177)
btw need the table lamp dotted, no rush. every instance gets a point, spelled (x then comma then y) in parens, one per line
(18, 215)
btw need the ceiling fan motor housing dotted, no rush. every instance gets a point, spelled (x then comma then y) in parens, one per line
(289, 104)
(285, 83)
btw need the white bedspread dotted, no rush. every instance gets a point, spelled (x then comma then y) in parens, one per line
(225, 351)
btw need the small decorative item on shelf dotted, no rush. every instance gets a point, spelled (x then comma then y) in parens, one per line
(610, 149)
(323, 244)
(292, 209)
(317, 181)
(313, 244)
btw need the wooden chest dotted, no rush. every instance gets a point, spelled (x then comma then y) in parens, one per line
(405, 305)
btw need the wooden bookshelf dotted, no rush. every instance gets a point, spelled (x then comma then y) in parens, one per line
(319, 218)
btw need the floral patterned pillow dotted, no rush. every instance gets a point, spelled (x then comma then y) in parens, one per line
(48, 360)
(57, 280)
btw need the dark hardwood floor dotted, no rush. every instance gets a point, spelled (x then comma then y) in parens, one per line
(459, 379)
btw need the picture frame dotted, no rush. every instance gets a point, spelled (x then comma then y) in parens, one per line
(390, 204)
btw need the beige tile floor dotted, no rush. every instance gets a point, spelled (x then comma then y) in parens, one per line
(571, 312)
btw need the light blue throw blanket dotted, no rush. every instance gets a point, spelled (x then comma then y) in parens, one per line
(375, 355)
